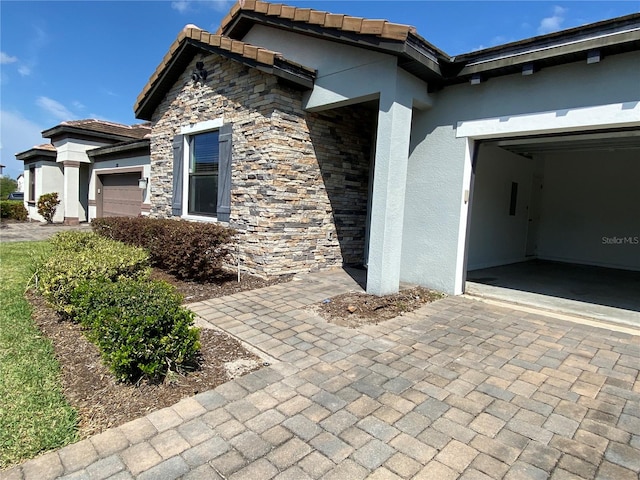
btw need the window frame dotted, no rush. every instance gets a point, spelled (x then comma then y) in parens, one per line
(32, 184)
(189, 132)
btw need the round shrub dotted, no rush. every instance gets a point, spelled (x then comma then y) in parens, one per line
(47, 205)
(140, 326)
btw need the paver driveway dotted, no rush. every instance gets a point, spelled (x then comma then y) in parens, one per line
(458, 389)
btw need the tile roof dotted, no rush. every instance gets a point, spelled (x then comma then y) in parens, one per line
(45, 149)
(363, 26)
(415, 55)
(45, 146)
(103, 126)
(103, 153)
(221, 44)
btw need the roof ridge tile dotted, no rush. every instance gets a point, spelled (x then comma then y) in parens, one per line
(363, 26)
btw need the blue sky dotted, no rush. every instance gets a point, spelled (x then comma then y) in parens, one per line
(90, 59)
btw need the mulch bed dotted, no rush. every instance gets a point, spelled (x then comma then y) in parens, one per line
(227, 285)
(101, 401)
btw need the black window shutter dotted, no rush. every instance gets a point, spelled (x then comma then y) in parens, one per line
(224, 173)
(178, 172)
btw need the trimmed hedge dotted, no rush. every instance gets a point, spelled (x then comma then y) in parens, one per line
(80, 256)
(188, 250)
(139, 325)
(13, 209)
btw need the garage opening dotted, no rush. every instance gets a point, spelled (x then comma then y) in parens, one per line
(119, 195)
(555, 221)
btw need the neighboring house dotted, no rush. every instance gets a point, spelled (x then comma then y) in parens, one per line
(20, 181)
(327, 140)
(2, 167)
(98, 168)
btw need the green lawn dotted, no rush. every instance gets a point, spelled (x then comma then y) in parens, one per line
(34, 415)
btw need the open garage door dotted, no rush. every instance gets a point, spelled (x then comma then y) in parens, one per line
(120, 196)
(559, 216)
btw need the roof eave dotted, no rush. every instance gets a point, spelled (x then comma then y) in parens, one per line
(125, 147)
(551, 55)
(35, 152)
(290, 72)
(72, 131)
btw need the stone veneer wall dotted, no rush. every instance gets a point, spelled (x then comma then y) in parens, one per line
(299, 182)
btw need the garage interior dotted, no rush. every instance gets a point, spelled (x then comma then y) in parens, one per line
(555, 224)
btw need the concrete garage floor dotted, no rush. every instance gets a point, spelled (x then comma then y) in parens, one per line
(604, 294)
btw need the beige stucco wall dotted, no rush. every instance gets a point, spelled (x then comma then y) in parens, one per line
(49, 179)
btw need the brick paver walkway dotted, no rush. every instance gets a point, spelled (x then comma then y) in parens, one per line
(33, 231)
(458, 389)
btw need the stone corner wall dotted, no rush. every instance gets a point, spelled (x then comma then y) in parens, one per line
(299, 184)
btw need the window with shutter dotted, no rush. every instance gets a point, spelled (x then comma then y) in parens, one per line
(202, 174)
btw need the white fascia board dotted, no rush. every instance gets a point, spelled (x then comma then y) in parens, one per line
(551, 47)
(617, 115)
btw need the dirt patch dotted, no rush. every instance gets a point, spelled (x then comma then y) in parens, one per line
(102, 402)
(356, 309)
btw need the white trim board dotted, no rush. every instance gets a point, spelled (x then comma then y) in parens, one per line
(617, 115)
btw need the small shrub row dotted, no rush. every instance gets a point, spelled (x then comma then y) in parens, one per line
(188, 250)
(13, 209)
(81, 256)
(140, 326)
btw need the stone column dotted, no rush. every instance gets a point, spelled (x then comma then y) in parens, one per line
(71, 197)
(389, 183)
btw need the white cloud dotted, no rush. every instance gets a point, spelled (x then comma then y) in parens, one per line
(220, 5)
(99, 116)
(18, 134)
(180, 5)
(78, 105)
(554, 22)
(54, 108)
(24, 70)
(111, 93)
(4, 58)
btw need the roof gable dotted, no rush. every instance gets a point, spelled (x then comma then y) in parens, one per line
(192, 40)
(414, 53)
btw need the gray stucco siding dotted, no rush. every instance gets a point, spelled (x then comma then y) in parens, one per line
(434, 226)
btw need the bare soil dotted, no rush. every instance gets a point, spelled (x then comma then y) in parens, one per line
(356, 309)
